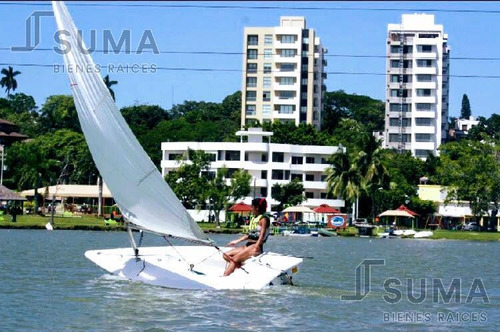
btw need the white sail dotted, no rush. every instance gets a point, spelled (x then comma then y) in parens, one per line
(138, 188)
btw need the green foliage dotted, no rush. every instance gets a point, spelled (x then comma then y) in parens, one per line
(40, 161)
(465, 111)
(8, 80)
(486, 129)
(471, 170)
(288, 194)
(59, 112)
(363, 109)
(21, 110)
(289, 133)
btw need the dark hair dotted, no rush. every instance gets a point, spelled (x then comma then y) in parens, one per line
(260, 204)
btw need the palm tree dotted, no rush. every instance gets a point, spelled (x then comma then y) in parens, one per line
(344, 178)
(109, 84)
(8, 81)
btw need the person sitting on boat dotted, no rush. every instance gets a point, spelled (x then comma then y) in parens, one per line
(259, 230)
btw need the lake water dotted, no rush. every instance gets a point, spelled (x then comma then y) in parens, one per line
(46, 284)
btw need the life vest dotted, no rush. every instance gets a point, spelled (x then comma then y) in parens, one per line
(255, 228)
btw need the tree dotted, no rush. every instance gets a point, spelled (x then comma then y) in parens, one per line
(465, 111)
(288, 194)
(59, 112)
(471, 172)
(109, 83)
(8, 81)
(187, 181)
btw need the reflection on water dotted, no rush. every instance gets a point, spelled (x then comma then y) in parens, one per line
(47, 284)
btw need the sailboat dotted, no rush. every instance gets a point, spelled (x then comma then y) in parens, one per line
(145, 199)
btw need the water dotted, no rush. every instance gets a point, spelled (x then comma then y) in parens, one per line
(46, 284)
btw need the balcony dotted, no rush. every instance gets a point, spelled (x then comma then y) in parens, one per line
(283, 87)
(283, 59)
(425, 70)
(314, 185)
(425, 85)
(425, 55)
(425, 129)
(425, 99)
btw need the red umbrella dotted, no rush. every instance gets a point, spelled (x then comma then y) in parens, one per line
(404, 208)
(325, 208)
(240, 207)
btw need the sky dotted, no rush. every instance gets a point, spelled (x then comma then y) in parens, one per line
(343, 32)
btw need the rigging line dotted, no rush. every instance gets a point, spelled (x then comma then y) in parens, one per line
(178, 253)
(476, 11)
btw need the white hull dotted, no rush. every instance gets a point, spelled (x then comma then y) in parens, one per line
(423, 235)
(170, 267)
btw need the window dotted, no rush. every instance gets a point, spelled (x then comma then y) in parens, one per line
(251, 110)
(304, 68)
(395, 122)
(266, 111)
(252, 54)
(266, 82)
(394, 63)
(309, 194)
(268, 53)
(287, 94)
(288, 39)
(297, 160)
(424, 63)
(428, 35)
(268, 39)
(424, 92)
(174, 156)
(424, 107)
(304, 81)
(251, 67)
(296, 177)
(395, 138)
(266, 96)
(263, 191)
(232, 155)
(277, 174)
(287, 67)
(267, 68)
(263, 157)
(397, 93)
(309, 177)
(395, 49)
(288, 53)
(230, 172)
(287, 81)
(309, 160)
(263, 174)
(397, 107)
(286, 109)
(423, 137)
(424, 122)
(424, 48)
(303, 109)
(251, 95)
(305, 53)
(324, 161)
(253, 40)
(396, 78)
(251, 82)
(424, 78)
(278, 157)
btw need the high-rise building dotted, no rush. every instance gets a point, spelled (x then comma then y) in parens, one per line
(282, 74)
(417, 85)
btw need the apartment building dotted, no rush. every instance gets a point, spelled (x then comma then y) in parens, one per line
(268, 163)
(417, 85)
(283, 73)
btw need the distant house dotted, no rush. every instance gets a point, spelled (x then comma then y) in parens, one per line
(9, 133)
(462, 127)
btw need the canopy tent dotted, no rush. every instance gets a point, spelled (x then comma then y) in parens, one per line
(325, 208)
(398, 213)
(404, 208)
(298, 209)
(70, 190)
(8, 195)
(240, 207)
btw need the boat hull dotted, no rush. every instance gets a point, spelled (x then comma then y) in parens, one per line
(194, 267)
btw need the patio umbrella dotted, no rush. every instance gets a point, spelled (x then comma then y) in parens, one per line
(325, 208)
(299, 209)
(240, 207)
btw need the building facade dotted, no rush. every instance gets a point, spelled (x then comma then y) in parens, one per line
(267, 163)
(283, 73)
(417, 85)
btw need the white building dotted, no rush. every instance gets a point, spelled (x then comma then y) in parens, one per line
(466, 124)
(267, 163)
(283, 72)
(417, 85)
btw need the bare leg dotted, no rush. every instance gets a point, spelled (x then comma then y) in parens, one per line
(240, 257)
(228, 256)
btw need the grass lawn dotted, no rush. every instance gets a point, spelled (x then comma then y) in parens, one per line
(77, 222)
(466, 235)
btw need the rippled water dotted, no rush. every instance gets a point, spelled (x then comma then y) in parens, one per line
(46, 284)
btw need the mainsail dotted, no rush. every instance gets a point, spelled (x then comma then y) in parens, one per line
(138, 188)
